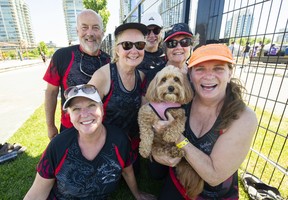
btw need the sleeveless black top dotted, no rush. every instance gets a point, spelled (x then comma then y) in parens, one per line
(120, 105)
(229, 188)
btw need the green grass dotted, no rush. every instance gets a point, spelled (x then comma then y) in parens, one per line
(16, 177)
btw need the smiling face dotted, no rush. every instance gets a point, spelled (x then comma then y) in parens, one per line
(177, 56)
(132, 57)
(210, 79)
(152, 39)
(86, 115)
(90, 31)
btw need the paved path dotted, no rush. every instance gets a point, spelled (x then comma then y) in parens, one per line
(22, 93)
(9, 65)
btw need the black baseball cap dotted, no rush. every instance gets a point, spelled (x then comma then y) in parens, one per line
(132, 25)
(177, 29)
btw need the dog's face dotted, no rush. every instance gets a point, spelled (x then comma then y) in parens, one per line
(170, 85)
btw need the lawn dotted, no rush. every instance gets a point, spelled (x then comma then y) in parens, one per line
(17, 176)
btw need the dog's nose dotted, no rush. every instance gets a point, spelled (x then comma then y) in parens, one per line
(170, 88)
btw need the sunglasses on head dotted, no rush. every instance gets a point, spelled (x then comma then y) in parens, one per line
(72, 91)
(129, 45)
(186, 42)
(155, 30)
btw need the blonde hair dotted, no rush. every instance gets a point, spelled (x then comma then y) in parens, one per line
(115, 56)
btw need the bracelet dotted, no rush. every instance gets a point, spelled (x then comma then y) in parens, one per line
(183, 143)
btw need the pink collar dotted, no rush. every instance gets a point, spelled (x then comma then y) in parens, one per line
(161, 108)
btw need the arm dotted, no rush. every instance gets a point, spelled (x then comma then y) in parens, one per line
(228, 152)
(40, 188)
(101, 80)
(128, 175)
(51, 95)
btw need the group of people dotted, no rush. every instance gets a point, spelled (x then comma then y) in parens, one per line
(100, 100)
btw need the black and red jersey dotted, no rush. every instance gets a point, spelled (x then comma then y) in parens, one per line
(79, 178)
(64, 71)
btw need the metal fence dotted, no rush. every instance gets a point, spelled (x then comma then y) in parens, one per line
(262, 25)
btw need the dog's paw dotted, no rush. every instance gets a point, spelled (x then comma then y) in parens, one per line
(175, 152)
(144, 152)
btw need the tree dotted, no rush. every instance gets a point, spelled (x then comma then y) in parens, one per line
(100, 6)
(42, 48)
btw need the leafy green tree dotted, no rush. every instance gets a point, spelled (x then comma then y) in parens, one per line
(100, 6)
(42, 47)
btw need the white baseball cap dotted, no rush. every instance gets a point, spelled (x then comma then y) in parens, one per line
(152, 18)
(86, 90)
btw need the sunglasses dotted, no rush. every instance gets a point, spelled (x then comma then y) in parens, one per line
(129, 45)
(186, 42)
(72, 91)
(82, 71)
(155, 30)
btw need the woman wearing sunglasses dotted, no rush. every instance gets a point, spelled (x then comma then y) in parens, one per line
(119, 83)
(177, 46)
(154, 54)
(86, 161)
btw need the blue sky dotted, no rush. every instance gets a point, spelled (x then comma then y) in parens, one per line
(48, 20)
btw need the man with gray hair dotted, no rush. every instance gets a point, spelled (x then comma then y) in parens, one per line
(74, 65)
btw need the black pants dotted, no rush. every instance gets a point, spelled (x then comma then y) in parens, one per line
(160, 172)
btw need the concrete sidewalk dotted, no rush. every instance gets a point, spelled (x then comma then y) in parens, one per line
(8, 65)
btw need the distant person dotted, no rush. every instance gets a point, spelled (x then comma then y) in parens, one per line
(254, 51)
(154, 55)
(87, 161)
(246, 51)
(43, 56)
(231, 47)
(260, 51)
(74, 65)
(273, 50)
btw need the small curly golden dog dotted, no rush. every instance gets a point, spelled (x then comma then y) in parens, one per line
(169, 89)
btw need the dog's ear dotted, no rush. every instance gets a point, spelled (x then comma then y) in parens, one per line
(151, 93)
(188, 90)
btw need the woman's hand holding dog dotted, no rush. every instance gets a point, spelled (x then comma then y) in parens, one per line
(161, 125)
(166, 160)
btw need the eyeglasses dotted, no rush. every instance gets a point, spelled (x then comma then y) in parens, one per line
(129, 45)
(183, 43)
(155, 30)
(82, 71)
(86, 88)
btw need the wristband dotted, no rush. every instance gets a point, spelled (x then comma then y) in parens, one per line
(183, 143)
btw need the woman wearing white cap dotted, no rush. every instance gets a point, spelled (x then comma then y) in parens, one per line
(86, 161)
(218, 131)
(154, 55)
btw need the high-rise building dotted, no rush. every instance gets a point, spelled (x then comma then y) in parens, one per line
(126, 7)
(239, 25)
(71, 9)
(15, 23)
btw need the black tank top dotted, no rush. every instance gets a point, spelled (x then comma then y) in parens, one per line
(120, 105)
(227, 189)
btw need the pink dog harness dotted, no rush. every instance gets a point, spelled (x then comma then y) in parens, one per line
(161, 108)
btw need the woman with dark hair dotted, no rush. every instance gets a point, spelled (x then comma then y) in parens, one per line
(219, 128)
